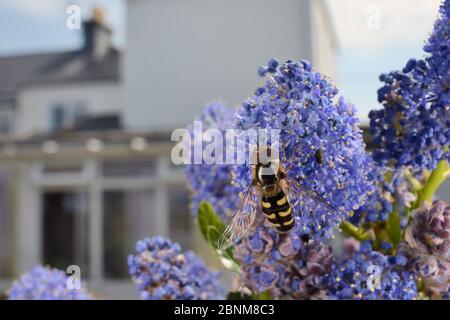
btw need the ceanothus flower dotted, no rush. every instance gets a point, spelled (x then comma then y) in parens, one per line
(438, 48)
(429, 230)
(42, 283)
(393, 188)
(283, 265)
(378, 205)
(427, 247)
(320, 143)
(212, 182)
(432, 270)
(413, 127)
(370, 275)
(162, 271)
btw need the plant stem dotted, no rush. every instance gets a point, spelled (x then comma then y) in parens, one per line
(263, 296)
(354, 231)
(434, 181)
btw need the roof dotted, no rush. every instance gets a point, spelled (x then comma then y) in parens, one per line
(79, 65)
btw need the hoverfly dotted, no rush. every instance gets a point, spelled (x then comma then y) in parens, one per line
(274, 194)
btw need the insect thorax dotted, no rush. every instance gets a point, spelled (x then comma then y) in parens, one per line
(266, 174)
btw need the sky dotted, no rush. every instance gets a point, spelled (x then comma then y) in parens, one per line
(374, 36)
(28, 26)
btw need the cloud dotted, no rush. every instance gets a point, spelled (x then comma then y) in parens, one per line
(374, 24)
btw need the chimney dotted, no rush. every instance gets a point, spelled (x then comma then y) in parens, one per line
(97, 35)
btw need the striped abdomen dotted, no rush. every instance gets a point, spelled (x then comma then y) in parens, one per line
(278, 211)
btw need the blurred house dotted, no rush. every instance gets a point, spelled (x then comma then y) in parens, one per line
(85, 167)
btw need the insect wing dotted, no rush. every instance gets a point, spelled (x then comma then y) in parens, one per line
(310, 202)
(241, 221)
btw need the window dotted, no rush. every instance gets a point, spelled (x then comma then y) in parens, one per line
(58, 115)
(6, 121)
(128, 216)
(129, 168)
(65, 230)
(66, 115)
(180, 218)
(62, 167)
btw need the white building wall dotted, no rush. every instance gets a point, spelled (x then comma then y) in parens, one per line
(34, 103)
(324, 44)
(181, 54)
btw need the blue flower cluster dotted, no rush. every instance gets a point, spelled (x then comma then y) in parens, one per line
(162, 271)
(283, 265)
(413, 128)
(321, 142)
(212, 182)
(42, 283)
(370, 275)
(438, 60)
(379, 203)
(322, 150)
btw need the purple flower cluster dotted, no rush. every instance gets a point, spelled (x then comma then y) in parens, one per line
(42, 283)
(370, 275)
(429, 230)
(300, 103)
(212, 182)
(394, 188)
(413, 128)
(379, 203)
(433, 271)
(283, 264)
(427, 246)
(162, 271)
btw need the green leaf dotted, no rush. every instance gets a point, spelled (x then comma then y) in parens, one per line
(208, 218)
(226, 257)
(393, 228)
(211, 227)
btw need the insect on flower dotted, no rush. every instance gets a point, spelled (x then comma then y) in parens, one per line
(273, 193)
(319, 156)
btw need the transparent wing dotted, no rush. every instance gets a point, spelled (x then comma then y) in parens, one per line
(311, 202)
(239, 224)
